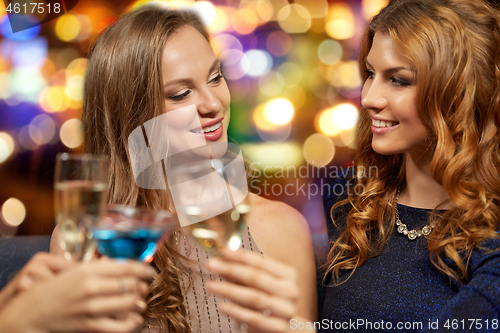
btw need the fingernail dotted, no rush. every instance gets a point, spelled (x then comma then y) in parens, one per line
(140, 305)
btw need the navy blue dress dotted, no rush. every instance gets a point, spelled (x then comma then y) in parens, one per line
(401, 291)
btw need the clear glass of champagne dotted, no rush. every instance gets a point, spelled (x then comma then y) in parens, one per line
(209, 204)
(80, 185)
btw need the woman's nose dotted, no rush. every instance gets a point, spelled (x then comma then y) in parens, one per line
(208, 103)
(373, 96)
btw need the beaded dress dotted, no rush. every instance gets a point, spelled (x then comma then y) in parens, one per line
(203, 314)
(402, 286)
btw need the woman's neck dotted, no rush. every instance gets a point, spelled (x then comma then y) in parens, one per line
(421, 190)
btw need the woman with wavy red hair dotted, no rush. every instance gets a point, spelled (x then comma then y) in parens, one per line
(414, 246)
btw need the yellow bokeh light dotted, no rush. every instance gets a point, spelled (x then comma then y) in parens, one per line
(325, 123)
(76, 67)
(330, 52)
(318, 150)
(316, 8)
(370, 8)
(8, 146)
(220, 22)
(42, 129)
(244, 21)
(347, 75)
(274, 155)
(67, 27)
(55, 100)
(260, 121)
(340, 22)
(340, 117)
(263, 8)
(71, 133)
(74, 88)
(348, 137)
(294, 19)
(206, 11)
(13, 212)
(279, 111)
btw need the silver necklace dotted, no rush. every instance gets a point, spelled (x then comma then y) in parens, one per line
(402, 229)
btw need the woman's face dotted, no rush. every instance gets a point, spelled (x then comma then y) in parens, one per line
(390, 97)
(193, 85)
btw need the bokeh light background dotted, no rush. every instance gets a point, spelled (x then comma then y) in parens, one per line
(291, 69)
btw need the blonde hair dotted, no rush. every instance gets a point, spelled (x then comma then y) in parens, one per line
(453, 47)
(123, 89)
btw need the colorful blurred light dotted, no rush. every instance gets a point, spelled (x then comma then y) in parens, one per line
(296, 95)
(234, 62)
(52, 99)
(85, 27)
(318, 150)
(271, 84)
(220, 22)
(347, 75)
(67, 27)
(279, 111)
(348, 138)
(316, 8)
(279, 43)
(291, 73)
(225, 42)
(273, 155)
(330, 52)
(294, 18)
(260, 62)
(13, 212)
(71, 133)
(7, 146)
(244, 21)
(277, 134)
(340, 117)
(24, 139)
(370, 8)
(42, 129)
(340, 22)
(206, 11)
(28, 34)
(74, 88)
(260, 121)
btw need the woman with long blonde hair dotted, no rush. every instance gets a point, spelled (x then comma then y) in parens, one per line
(151, 62)
(414, 245)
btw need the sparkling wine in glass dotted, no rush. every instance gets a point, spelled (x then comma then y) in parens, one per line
(128, 232)
(80, 185)
(210, 203)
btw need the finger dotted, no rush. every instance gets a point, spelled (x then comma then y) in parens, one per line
(256, 278)
(117, 268)
(128, 323)
(254, 299)
(110, 305)
(256, 321)
(267, 264)
(42, 266)
(95, 285)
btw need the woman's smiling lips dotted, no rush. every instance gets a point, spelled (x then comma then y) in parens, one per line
(211, 130)
(382, 126)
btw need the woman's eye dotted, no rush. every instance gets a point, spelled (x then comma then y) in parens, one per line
(179, 96)
(400, 82)
(217, 78)
(370, 74)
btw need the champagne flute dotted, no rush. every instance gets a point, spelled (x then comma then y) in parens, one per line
(209, 204)
(80, 184)
(128, 232)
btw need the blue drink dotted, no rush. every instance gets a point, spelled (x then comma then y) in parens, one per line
(136, 244)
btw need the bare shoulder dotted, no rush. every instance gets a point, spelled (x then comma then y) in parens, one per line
(276, 226)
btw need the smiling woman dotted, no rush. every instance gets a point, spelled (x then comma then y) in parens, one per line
(157, 62)
(419, 247)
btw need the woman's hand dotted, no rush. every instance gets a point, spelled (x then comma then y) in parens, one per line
(41, 267)
(263, 291)
(101, 296)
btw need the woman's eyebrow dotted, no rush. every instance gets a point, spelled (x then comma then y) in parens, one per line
(190, 80)
(392, 70)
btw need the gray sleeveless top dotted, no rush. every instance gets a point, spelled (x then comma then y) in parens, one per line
(203, 314)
